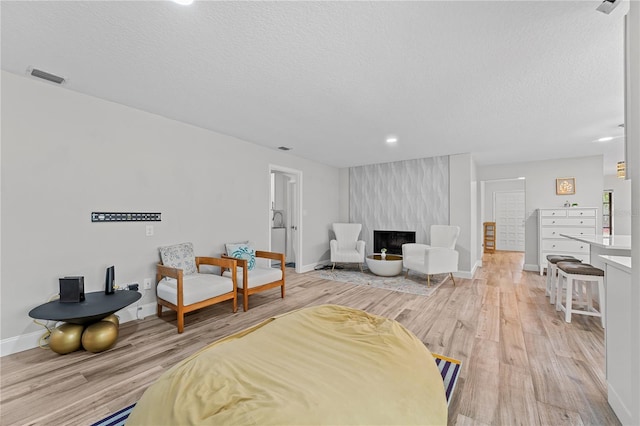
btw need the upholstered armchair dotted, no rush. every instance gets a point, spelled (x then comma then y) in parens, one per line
(254, 276)
(346, 248)
(440, 257)
(182, 288)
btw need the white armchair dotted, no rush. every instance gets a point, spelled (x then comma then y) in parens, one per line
(346, 248)
(438, 258)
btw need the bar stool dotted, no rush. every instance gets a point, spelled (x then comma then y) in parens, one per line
(552, 273)
(588, 275)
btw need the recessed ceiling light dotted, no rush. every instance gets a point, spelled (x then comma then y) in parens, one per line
(392, 139)
(183, 2)
(606, 139)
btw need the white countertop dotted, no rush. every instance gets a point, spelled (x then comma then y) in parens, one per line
(621, 262)
(619, 242)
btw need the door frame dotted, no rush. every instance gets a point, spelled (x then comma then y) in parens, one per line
(297, 240)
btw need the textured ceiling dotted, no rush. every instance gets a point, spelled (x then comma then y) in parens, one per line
(504, 80)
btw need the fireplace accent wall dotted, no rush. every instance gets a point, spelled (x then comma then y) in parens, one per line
(392, 240)
(402, 196)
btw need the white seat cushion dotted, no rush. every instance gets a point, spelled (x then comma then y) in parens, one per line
(413, 262)
(257, 277)
(347, 256)
(195, 287)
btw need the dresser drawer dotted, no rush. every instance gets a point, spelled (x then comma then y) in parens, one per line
(555, 231)
(573, 221)
(582, 213)
(553, 213)
(565, 245)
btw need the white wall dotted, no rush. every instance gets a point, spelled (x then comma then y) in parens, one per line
(343, 195)
(462, 210)
(65, 155)
(621, 203)
(540, 191)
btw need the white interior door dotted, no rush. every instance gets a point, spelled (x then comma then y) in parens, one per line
(508, 210)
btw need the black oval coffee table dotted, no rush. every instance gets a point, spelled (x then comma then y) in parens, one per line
(96, 306)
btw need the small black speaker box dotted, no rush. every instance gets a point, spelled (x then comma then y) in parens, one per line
(71, 289)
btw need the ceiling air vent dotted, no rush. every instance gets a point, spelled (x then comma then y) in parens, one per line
(46, 76)
(284, 148)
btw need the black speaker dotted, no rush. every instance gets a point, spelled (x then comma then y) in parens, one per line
(71, 289)
(109, 280)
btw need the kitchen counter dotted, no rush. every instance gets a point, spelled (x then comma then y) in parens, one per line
(621, 262)
(619, 337)
(614, 246)
(615, 242)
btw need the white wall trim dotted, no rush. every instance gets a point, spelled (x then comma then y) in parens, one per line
(31, 340)
(312, 266)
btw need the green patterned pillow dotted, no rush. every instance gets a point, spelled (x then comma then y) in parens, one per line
(242, 251)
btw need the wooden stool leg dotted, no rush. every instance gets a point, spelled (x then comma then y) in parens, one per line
(561, 277)
(601, 300)
(569, 302)
(552, 276)
(589, 285)
(548, 281)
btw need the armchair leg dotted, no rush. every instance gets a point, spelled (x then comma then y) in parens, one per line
(334, 266)
(159, 311)
(360, 265)
(428, 280)
(454, 281)
(406, 274)
(245, 300)
(180, 322)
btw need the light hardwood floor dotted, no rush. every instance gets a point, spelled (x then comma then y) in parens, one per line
(521, 363)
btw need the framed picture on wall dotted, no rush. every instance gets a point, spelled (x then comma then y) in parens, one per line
(565, 186)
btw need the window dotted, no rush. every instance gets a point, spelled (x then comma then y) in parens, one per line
(607, 209)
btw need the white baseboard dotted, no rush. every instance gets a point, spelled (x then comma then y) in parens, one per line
(531, 267)
(624, 415)
(31, 340)
(312, 266)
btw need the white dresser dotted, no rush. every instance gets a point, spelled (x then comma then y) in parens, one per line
(573, 221)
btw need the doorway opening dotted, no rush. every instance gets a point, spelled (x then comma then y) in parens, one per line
(285, 214)
(503, 202)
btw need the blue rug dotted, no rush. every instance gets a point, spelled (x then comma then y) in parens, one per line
(449, 369)
(116, 419)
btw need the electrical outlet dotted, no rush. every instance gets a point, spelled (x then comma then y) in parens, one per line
(147, 283)
(149, 230)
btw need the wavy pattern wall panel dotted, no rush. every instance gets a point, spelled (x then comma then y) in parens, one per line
(401, 196)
